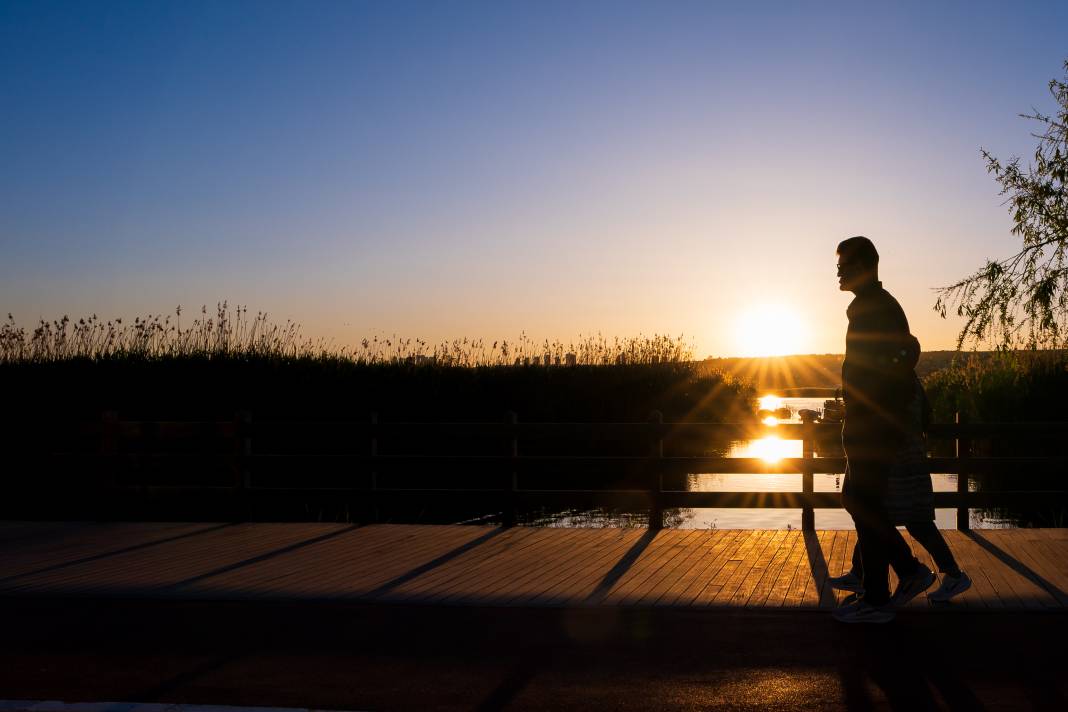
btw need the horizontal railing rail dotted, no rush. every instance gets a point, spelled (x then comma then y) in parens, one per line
(374, 474)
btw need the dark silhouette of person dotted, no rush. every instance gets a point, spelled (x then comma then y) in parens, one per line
(910, 499)
(877, 389)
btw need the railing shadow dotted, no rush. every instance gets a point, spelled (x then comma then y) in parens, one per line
(1018, 566)
(432, 564)
(622, 566)
(262, 557)
(817, 564)
(113, 552)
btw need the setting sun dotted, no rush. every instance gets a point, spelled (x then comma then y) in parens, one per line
(768, 330)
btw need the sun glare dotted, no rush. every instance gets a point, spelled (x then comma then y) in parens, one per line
(771, 449)
(770, 402)
(768, 330)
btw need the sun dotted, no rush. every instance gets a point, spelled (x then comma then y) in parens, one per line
(768, 330)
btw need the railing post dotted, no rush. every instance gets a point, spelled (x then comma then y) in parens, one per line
(243, 480)
(963, 452)
(374, 469)
(808, 466)
(509, 515)
(656, 488)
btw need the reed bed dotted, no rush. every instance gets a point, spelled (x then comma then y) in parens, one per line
(1002, 386)
(166, 366)
(233, 333)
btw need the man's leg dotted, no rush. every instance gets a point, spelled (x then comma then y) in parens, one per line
(931, 539)
(871, 550)
(881, 546)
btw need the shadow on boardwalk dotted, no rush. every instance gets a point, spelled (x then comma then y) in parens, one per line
(351, 656)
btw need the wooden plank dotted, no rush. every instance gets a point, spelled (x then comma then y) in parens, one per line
(640, 567)
(707, 595)
(760, 568)
(248, 550)
(704, 550)
(807, 583)
(478, 570)
(187, 575)
(507, 582)
(840, 561)
(359, 561)
(63, 545)
(525, 588)
(659, 553)
(167, 572)
(710, 567)
(154, 567)
(499, 582)
(512, 567)
(765, 539)
(1003, 579)
(675, 547)
(416, 565)
(760, 593)
(993, 593)
(967, 554)
(583, 559)
(580, 588)
(310, 564)
(1013, 544)
(788, 576)
(970, 599)
(1054, 551)
(673, 570)
(430, 557)
(816, 590)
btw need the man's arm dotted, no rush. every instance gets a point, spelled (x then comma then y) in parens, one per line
(882, 356)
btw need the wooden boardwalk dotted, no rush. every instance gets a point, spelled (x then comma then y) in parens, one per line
(1021, 569)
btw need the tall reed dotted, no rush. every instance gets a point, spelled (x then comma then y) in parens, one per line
(232, 333)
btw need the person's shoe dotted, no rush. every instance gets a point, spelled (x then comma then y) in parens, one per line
(951, 586)
(851, 599)
(863, 612)
(848, 581)
(910, 587)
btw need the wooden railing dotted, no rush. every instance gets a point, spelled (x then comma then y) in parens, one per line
(374, 470)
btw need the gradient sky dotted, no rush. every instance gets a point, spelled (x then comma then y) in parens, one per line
(448, 169)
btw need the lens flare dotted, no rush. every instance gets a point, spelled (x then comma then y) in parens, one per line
(771, 449)
(770, 402)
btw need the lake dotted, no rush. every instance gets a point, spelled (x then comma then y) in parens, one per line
(773, 448)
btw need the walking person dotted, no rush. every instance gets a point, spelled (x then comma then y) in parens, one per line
(910, 502)
(877, 389)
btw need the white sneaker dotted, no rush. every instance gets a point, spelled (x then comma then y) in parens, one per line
(863, 612)
(848, 581)
(951, 586)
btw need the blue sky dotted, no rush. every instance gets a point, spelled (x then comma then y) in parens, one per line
(481, 169)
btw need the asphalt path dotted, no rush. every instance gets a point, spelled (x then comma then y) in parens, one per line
(337, 656)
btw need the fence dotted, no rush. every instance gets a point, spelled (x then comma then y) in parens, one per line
(513, 476)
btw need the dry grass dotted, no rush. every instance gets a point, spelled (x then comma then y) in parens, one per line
(232, 333)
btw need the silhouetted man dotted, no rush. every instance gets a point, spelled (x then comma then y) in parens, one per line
(877, 388)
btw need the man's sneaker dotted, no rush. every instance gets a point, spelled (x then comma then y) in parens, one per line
(951, 586)
(911, 586)
(848, 581)
(863, 612)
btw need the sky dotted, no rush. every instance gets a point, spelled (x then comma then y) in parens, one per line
(447, 170)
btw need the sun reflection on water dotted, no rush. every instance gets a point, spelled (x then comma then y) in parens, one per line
(770, 449)
(770, 402)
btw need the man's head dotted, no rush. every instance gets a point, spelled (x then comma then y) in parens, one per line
(858, 263)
